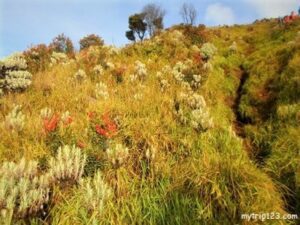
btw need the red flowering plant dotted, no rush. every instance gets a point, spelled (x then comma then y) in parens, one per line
(81, 144)
(51, 124)
(102, 128)
(56, 128)
(91, 115)
(50, 129)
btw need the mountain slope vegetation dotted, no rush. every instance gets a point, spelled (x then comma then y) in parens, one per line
(193, 126)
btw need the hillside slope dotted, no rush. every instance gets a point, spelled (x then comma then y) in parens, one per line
(195, 126)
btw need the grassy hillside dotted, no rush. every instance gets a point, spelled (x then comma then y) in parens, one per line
(195, 126)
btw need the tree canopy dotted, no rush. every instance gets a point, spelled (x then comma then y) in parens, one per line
(63, 44)
(90, 40)
(137, 26)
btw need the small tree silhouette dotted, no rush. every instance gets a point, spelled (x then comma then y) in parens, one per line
(63, 44)
(137, 27)
(188, 13)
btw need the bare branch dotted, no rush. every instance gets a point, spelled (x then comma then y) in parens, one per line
(188, 13)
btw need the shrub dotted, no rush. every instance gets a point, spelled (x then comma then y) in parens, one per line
(62, 44)
(14, 76)
(58, 58)
(15, 61)
(37, 58)
(90, 40)
(197, 35)
(178, 70)
(92, 56)
(18, 80)
(199, 117)
(208, 50)
(22, 192)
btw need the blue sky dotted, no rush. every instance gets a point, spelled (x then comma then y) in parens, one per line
(28, 22)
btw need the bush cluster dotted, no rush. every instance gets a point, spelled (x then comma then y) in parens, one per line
(13, 73)
(25, 191)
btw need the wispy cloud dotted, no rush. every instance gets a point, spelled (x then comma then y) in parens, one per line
(273, 8)
(218, 13)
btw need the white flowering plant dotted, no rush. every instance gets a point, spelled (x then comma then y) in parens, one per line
(117, 155)
(58, 58)
(95, 192)
(25, 190)
(187, 74)
(15, 120)
(192, 109)
(98, 70)
(140, 71)
(46, 113)
(13, 74)
(68, 165)
(101, 91)
(16, 61)
(80, 75)
(22, 191)
(208, 50)
(233, 47)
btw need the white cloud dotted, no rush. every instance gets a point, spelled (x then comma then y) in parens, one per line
(273, 8)
(219, 14)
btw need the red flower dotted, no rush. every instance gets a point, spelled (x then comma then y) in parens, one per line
(101, 131)
(112, 128)
(106, 118)
(91, 115)
(51, 124)
(68, 121)
(108, 129)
